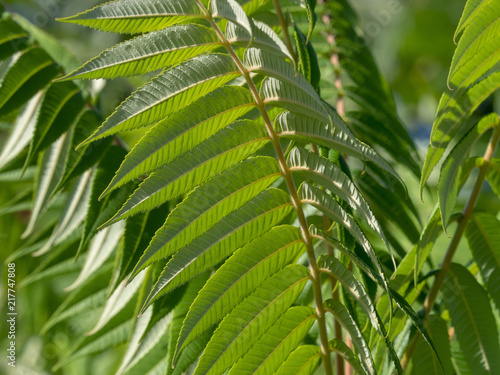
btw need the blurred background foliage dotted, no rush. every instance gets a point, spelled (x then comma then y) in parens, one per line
(412, 41)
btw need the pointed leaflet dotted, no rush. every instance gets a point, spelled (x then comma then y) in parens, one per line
(89, 297)
(232, 11)
(263, 37)
(184, 130)
(236, 229)
(149, 52)
(308, 61)
(453, 112)
(224, 149)
(483, 237)
(179, 313)
(472, 7)
(479, 47)
(266, 356)
(100, 211)
(139, 230)
(378, 277)
(61, 104)
(190, 354)
(12, 38)
(330, 207)
(493, 175)
(168, 93)
(28, 73)
(341, 348)
(72, 215)
(251, 319)
(115, 333)
(452, 166)
(22, 131)
(257, 60)
(134, 341)
(117, 301)
(474, 323)
(50, 168)
(239, 276)
(424, 360)
(137, 16)
(85, 157)
(303, 129)
(208, 204)
(333, 267)
(302, 361)
(284, 95)
(100, 249)
(342, 315)
(320, 170)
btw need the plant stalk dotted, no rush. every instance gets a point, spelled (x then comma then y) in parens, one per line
(315, 273)
(457, 236)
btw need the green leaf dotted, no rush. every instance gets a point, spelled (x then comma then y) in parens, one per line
(342, 315)
(232, 11)
(139, 330)
(307, 130)
(137, 16)
(117, 301)
(302, 361)
(472, 7)
(184, 130)
(90, 296)
(493, 175)
(453, 112)
(308, 61)
(168, 93)
(330, 207)
(28, 73)
(85, 157)
(12, 38)
(100, 211)
(254, 218)
(100, 249)
(239, 276)
(322, 171)
(284, 95)
(72, 215)
(210, 203)
(149, 52)
(224, 149)
(61, 104)
(451, 169)
(483, 238)
(471, 315)
(266, 356)
(49, 173)
(334, 268)
(479, 47)
(341, 348)
(22, 131)
(262, 37)
(424, 360)
(251, 319)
